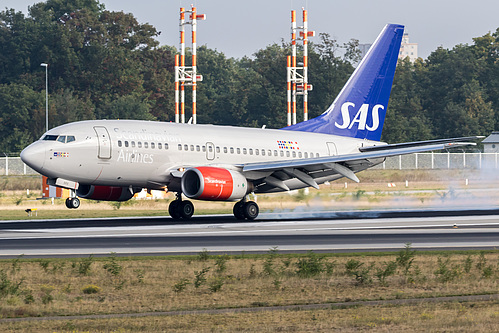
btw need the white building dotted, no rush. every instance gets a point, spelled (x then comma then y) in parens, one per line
(408, 49)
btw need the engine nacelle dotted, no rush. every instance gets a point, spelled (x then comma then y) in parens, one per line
(105, 193)
(217, 184)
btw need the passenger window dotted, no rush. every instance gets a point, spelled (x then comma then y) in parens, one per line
(257, 152)
(245, 151)
(232, 150)
(198, 148)
(152, 145)
(218, 150)
(119, 143)
(225, 150)
(70, 138)
(133, 144)
(166, 145)
(160, 146)
(186, 147)
(126, 143)
(139, 144)
(210, 149)
(146, 145)
(299, 154)
(287, 153)
(294, 154)
(192, 147)
(179, 146)
(238, 150)
(275, 152)
(62, 139)
(263, 152)
(203, 148)
(317, 155)
(251, 151)
(306, 155)
(282, 153)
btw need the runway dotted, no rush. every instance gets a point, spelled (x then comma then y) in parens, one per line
(318, 231)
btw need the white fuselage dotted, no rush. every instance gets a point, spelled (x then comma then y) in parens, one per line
(144, 153)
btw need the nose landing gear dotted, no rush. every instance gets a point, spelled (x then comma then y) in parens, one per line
(72, 203)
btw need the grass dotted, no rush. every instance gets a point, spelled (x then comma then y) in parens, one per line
(47, 287)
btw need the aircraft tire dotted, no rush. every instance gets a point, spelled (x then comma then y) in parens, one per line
(68, 203)
(186, 209)
(250, 210)
(75, 203)
(173, 209)
(238, 210)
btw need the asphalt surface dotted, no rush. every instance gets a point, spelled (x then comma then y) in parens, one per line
(291, 232)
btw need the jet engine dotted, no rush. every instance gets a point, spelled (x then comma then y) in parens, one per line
(105, 193)
(211, 183)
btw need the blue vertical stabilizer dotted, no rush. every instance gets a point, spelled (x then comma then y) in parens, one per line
(360, 108)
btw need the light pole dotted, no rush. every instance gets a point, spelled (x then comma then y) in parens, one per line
(46, 96)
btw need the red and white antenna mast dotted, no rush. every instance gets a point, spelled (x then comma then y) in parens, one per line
(186, 75)
(297, 77)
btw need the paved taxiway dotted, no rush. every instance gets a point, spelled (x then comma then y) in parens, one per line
(327, 231)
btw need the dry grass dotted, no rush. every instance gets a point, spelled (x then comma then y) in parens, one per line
(447, 317)
(149, 285)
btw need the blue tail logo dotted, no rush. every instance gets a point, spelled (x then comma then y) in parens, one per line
(359, 109)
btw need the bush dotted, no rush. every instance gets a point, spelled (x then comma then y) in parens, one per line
(180, 285)
(204, 255)
(91, 289)
(112, 266)
(389, 269)
(310, 266)
(84, 266)
(200, 277)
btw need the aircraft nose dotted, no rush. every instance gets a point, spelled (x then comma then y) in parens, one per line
(34, 156)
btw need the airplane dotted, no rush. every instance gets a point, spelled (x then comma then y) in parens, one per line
(114, 159)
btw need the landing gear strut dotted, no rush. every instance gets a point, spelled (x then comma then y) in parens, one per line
(246, 210)
(181, 209)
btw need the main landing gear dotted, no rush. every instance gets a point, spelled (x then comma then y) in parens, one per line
(181, 209)
(246, 210)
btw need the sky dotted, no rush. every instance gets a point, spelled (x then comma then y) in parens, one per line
(240, 28)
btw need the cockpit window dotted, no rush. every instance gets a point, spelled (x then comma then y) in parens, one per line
(60, 138)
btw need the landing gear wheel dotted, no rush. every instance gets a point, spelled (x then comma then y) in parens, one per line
(238, 210)
(72, 203)
(173, 209)
(185, 209)
(250, 210)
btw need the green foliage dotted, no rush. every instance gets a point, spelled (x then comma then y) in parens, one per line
(221, 263)
(445, 273)
(105, 64)
(180, 285)
(309, 266)
(204, 255)
(216, 284)
(47, 296)
(112, 265)
(382, 273)
(361, 272)
(200, 277)
(405, 258)
(15, 263)
(85, 265)
(7, 286)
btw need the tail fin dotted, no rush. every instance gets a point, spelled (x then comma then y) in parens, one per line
(360, 108)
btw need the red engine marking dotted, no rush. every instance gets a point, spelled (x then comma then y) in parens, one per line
(218, 183)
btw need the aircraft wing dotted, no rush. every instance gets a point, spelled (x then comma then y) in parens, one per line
(312, 171)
